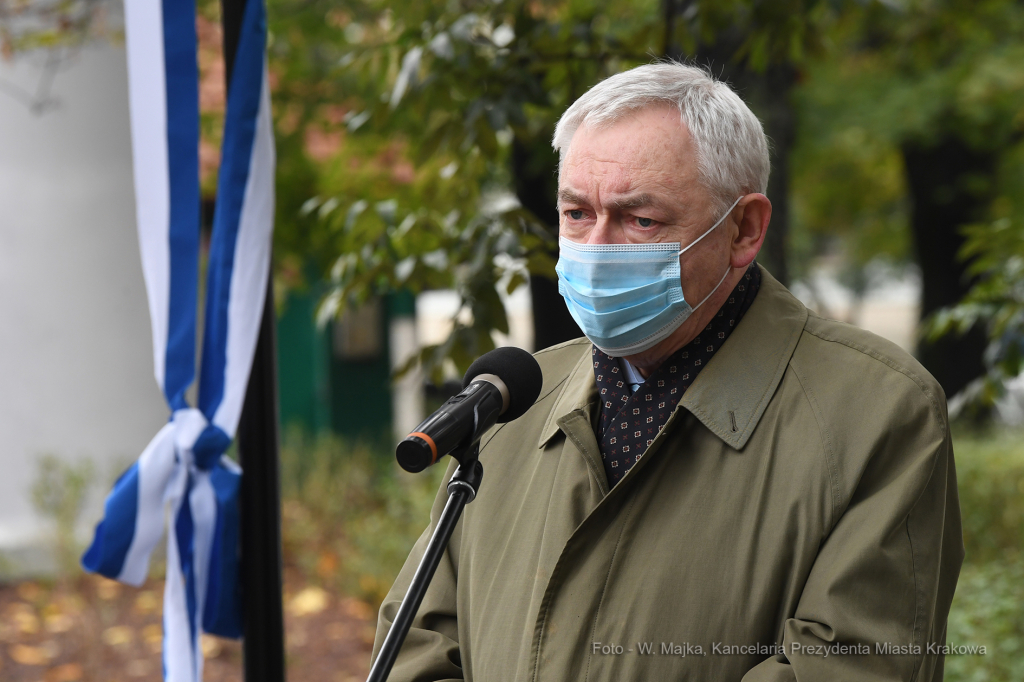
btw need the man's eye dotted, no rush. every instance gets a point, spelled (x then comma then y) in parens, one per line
(576, 214)
(644, 222)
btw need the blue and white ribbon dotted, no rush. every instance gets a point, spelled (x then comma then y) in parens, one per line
(183, 472)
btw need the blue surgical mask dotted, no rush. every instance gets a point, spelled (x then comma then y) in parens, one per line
(626, 298)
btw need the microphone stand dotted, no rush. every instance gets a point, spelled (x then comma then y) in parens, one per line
(462, 489)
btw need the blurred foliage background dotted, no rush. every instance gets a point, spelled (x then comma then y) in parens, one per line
(414, 141)
(414, 145)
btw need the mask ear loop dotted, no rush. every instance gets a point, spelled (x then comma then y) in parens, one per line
(724, 216)
(694, 308)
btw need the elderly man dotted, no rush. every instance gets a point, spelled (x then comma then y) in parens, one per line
(716, 484)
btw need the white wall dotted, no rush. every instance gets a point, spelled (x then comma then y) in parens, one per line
(76, 375)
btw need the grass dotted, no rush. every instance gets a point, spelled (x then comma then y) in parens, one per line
(990, 476)
(987, 606)
(987, 611)
(349, 514)
(58, 494)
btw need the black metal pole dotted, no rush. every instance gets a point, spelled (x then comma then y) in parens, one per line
(462, 490)
(263, 617)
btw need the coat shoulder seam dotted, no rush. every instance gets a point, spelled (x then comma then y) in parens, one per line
(888, 362)
(831, 467)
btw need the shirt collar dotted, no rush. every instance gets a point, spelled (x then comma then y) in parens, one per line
(731, 393)
(631, 374)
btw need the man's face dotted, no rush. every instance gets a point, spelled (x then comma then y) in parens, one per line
(635, 182)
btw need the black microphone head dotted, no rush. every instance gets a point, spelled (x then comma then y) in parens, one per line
(520, 372)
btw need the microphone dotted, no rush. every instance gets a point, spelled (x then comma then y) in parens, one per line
(499, 387)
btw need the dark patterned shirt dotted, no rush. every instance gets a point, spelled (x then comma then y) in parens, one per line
(629, 421)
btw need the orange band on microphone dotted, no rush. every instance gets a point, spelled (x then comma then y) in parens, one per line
(429, 441)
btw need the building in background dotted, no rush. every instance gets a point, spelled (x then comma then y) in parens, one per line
(76, 358)
(338, 377)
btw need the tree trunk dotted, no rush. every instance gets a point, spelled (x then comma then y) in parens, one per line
(768, 96)
(536, 184)
(951, 186)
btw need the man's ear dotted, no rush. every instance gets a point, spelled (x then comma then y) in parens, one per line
(751, 215)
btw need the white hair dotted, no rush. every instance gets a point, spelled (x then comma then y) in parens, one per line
(732, 149)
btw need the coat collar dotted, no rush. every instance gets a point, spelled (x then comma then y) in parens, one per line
(731, 393)
(578, 390)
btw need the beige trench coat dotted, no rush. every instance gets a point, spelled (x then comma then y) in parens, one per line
(801, 499)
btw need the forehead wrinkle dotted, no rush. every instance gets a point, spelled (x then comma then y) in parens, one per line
(646, 170)
(626, 192)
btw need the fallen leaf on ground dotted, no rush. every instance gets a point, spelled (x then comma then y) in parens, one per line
(28, 655)
(26, 620)
(59, 622)
(117, 635)
(107, 589)
(211, 646)
(69, 672)
(357, 608)
(147, 602)
(308, 601)
(153, 636)
(327, 564)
